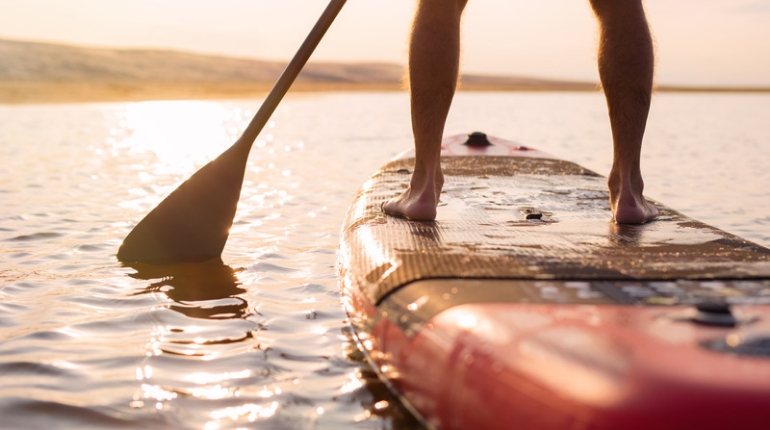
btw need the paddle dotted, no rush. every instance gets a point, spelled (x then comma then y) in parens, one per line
(193, 222)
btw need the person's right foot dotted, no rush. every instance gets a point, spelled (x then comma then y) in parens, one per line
(634, 213)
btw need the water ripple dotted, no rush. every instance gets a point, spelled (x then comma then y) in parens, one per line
(35, 236)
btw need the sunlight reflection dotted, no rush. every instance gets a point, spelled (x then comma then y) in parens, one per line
(183, 134)
(266, 393)
(377, 254)
(157, 337)
(208, 378)
(217, 392)
(362, 416)
(467, 321)
(354, 382)
(143, 372)
(157, 393)
(318, 330)
(65, 364)
(252, 412)
(72, 332)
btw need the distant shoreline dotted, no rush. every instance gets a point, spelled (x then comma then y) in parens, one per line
(34, 72)
(90, 92)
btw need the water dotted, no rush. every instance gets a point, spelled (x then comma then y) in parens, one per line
(260, 340)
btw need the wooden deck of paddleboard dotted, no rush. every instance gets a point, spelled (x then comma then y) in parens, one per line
(523, 303)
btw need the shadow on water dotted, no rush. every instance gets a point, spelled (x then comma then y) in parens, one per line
(199, 290)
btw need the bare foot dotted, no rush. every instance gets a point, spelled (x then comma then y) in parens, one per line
(634, 212)
(419, 201)
(627, 202)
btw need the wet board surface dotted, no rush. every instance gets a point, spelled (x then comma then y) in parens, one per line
(482, 230)
(520, 232)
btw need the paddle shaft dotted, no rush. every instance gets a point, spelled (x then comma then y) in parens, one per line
(290, 73)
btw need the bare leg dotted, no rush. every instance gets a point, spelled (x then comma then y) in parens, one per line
(434, 58)
(626, 68)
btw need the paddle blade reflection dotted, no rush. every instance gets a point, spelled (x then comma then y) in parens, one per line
(199, 290)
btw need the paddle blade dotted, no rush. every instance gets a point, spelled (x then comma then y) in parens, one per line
(193, 222)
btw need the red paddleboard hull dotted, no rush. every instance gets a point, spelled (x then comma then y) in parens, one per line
(561, 321)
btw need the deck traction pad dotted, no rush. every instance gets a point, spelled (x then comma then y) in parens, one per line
(482, 231)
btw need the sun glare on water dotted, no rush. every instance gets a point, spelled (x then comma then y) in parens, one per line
(183, 135)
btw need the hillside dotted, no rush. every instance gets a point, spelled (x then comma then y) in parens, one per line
(44, 72)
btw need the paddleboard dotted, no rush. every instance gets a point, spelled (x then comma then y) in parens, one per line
(523, 306)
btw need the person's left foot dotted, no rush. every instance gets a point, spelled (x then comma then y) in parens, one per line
(627, 202)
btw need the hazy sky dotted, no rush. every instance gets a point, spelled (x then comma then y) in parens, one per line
(723, 42)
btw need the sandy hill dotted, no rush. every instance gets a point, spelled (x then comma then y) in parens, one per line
(31, 72)
(26, 61)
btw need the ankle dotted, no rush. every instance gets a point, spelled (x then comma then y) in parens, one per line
(622, 182)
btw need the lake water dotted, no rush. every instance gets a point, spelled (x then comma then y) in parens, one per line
(260, 340)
